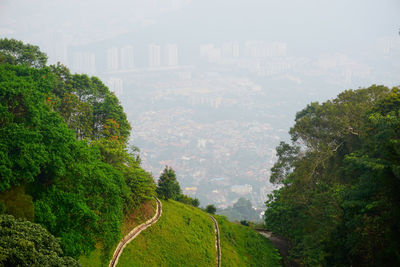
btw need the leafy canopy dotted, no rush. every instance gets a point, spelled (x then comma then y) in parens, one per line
(23, 243)
(17, 53)
(64, 161)
(339, 201)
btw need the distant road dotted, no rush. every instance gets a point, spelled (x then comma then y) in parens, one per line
(134, 233)
(217, 241)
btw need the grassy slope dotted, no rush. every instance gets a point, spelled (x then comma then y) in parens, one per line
(97, 257)
(242, 246)
(172, 241)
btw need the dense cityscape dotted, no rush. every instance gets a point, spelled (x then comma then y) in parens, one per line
(218, 128)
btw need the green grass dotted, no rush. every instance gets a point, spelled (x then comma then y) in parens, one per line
(98, 258)
(172, 241)
(242, 246)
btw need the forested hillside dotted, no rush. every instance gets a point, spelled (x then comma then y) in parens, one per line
(64, 158)
(339, 201)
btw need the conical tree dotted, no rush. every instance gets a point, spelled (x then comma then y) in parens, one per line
(168, 187)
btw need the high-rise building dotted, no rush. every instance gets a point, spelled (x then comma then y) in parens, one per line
(210, 53)
(127, 57)
(204, 50)
(227, 50)
(154, 55)
(235, 50)
(116, 85)
(57, 48)
(84, 62)
(171, 55)
(230, 50)
(261, 49)
(112, 58)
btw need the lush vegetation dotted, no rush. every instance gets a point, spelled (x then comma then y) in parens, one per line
(145, 212)
(24, 243)
(339, 201)
(188, 200)
(183, 236)
(211, 209)
(168, 188)
(64, 158)
(242, 246)
(242, 210)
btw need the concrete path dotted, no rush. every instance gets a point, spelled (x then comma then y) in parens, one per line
(134, 233)
(217, 241)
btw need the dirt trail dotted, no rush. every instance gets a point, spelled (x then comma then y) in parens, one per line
(134, 233)
(217, 241)
(282, 245)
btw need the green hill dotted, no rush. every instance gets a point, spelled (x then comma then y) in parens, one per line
(184, 236)
(242, 246)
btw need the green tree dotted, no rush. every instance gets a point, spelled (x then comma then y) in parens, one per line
(87, 105)
(241, 210)
(77, 189)
(188, 200)
(140, 183)
(195, 202)
(211, 209)
(23, 243)
(28, 130)
(316, 208)
(76, 196)
(17, 53)
(371, 206)
(287, 156)
(110, 108)
(77, 115)
(85, 205)
(168, 187)
(17, 203)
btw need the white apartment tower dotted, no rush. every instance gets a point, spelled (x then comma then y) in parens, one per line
(154, 55)
(235, 50)
(261, 49)
(171, 55)
(57, 48)
(127, 58)
(227, 50)
(84, 62)
(230, 50)
(112, 58)
(116, 85)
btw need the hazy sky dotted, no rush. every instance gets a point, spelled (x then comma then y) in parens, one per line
(339, 23)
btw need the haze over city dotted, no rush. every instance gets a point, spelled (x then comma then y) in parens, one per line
(211, 87)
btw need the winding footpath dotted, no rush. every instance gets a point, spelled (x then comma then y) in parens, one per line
(217, 241)
(281, 244)
(134, 233)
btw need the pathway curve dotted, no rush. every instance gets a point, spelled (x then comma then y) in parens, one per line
(217, 241)
(134, 233)
(281, 244)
